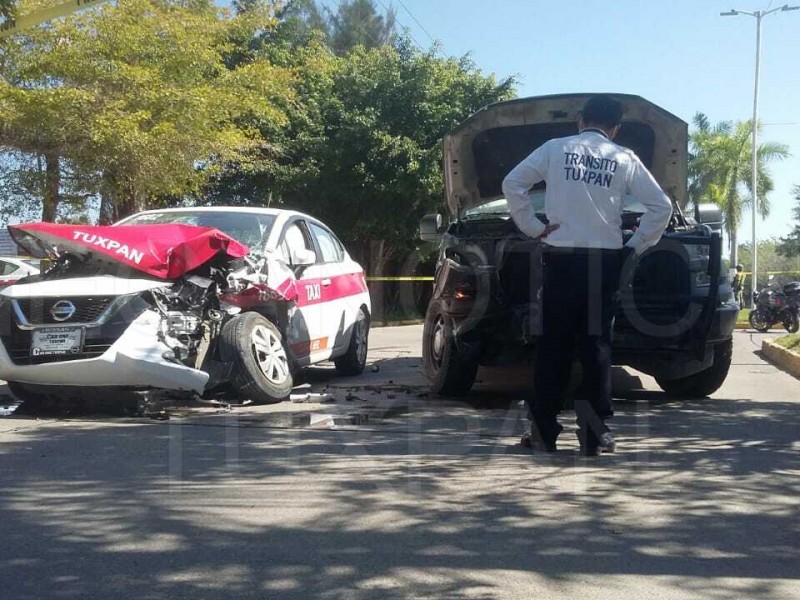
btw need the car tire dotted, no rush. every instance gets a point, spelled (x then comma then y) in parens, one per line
(705, 382)
(449, 372)
(352, 362)
(257, 350)
(758, 321)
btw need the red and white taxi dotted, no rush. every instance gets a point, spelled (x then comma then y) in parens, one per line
(194, 300)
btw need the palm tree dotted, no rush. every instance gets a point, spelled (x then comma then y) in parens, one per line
(720, 170)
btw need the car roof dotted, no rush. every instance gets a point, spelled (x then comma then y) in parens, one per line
(262, 210)
(241, 209)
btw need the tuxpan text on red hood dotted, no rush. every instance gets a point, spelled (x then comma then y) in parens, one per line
(165, 251)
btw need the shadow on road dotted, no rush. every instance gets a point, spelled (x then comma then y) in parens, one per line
(223, 508)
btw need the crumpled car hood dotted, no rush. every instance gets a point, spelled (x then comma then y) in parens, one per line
(480, 152)
(165, 251)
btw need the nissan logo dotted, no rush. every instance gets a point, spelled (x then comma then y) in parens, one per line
(62, 310)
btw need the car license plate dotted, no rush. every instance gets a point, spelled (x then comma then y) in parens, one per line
(56, 341)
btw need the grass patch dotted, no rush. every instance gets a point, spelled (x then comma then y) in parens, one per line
(791, 341)
(744, 315)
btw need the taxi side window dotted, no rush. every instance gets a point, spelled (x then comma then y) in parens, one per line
(294, 238)
(330, 247)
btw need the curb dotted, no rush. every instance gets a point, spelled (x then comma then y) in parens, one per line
(782, 357)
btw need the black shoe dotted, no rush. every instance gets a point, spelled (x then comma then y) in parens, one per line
(605, 444)
(538, 444)
(608, 445)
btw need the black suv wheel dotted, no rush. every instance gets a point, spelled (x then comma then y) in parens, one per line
(705, 382)
(449, 373)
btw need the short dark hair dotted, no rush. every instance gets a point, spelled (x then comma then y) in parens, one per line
(602, 110)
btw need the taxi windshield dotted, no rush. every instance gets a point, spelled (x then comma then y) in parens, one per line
(251, 229)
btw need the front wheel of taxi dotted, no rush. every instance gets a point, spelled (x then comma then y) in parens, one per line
(261, 368)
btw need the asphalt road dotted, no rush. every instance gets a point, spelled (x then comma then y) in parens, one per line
(367, 488)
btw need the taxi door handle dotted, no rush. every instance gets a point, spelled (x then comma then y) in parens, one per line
(326, 282)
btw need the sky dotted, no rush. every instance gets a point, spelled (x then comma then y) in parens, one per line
(680, 54)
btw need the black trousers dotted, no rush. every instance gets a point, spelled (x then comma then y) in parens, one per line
(579, 299)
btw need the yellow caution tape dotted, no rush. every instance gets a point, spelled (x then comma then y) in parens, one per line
(773, 273)
(12, 26)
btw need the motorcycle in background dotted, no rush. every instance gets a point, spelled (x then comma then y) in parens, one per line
(774, 307)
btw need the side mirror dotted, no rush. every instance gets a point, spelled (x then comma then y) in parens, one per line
(709, 214)
(302, 257)
(430, 228)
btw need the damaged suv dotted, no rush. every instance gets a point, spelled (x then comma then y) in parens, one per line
(676, 313)
(182, 301)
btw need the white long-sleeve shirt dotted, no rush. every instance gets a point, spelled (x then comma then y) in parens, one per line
(587, 177)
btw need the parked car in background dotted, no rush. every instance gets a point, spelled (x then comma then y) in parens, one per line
(183, 301)
(677, 312)
(13, 268)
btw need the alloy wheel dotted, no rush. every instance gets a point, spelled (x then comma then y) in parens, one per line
(438, 340)
(269, 354)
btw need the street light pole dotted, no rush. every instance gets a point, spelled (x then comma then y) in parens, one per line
(759, 15)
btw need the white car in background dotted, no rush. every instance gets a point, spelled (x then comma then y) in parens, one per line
(189, 300)
(12, 269)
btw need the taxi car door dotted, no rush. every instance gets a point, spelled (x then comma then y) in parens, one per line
(305, 334)
(340, 305)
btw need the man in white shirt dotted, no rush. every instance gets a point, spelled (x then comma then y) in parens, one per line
(587, 177)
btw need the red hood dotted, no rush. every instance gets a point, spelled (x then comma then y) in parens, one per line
(166, 251)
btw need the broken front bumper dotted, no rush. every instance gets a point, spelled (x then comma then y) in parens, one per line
(134, 360)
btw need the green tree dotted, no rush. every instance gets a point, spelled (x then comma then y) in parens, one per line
(138, 98)
(790, 245)
(23, 180)
(300, 20)
(363, 147)
(7, 8)
(774, 268)
(358, 23)
(721, 169)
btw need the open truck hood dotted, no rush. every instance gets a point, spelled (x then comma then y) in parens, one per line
(164, 251)
(480, 152)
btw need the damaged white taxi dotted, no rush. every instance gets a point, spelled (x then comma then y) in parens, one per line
(183, 301)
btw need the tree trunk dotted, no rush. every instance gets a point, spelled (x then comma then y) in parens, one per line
(106, 216)
(734, 250)
(127, 205)
(378, 255)
(51, 187)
